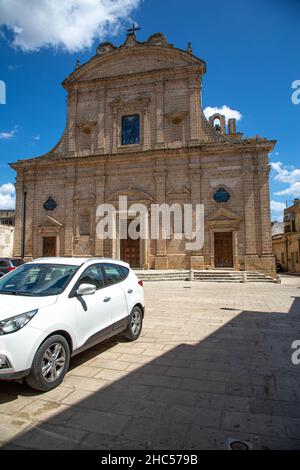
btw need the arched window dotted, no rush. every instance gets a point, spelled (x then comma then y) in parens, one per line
(222, 195)
(84, 223)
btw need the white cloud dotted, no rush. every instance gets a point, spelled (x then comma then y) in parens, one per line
(7, 196)
(277, 206)
(225, 110)
(277, 209)
(287, 175)
(292, 190)
(69, 24)
(7, 135)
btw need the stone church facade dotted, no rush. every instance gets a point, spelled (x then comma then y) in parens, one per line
(135, 128)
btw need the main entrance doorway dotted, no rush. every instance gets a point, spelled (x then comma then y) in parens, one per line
(130, 251)
(223, 250)
(49, 247)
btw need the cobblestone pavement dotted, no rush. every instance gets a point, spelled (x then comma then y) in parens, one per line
(213, 363)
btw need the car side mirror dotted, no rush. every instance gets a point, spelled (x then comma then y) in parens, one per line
(86, 289)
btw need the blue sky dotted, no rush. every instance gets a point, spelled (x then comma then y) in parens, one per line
(251, 49)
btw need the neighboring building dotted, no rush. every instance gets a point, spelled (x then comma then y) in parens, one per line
(286, 246)
(277, 228)
(7, 217)
(6, 241)
(135, 127)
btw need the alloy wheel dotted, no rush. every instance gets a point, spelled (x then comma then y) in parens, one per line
(53, 362)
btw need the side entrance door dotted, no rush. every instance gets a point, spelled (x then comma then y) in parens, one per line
(130, 251)
(223, 250)
(49, 247)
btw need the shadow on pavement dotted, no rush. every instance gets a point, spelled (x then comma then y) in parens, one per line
(239, 382)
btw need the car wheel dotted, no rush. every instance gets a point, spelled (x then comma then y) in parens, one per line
(50, 364)
(135, 325)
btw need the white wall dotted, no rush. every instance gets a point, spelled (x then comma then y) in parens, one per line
(6, 241)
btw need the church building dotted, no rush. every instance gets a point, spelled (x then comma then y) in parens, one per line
(135, 127)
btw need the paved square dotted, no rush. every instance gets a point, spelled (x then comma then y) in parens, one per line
(213, 363)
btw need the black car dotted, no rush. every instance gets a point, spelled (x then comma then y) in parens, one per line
(9, 264)
(279, 267)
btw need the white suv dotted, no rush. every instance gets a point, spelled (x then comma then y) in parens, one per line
(54, 308)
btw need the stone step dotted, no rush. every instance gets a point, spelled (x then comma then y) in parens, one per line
(204, 276)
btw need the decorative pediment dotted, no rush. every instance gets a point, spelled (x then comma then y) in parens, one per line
(134, 57)
(50, 226)
(224, 218)
(178, 192)
(84, 198)
(133, 195)
(223, 214)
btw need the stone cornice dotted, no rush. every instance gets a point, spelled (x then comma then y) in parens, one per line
(157, 74)
(214, 149)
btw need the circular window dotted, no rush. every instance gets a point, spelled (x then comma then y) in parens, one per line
(222, 195)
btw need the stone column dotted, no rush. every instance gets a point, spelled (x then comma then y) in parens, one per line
(267, 257)
(266, 237)
(18, 232)
(29, 225)
(194, 105)
(101, 122)
(146, 126)
(115, 129)
(161, 259)
(196, 257)
(100, 199)
(160, 125)
(69, 225)
(72, 111)
(250, 210)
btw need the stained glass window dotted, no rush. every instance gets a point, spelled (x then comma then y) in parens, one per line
(131, 130)
(222, 195)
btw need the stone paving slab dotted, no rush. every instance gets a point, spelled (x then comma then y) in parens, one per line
(213, 363)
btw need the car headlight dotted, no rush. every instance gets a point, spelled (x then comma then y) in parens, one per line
(10, 325)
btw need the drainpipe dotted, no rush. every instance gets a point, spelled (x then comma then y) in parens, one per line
(24, 224)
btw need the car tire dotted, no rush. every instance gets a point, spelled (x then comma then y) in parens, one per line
(50, 364)
(135, 324)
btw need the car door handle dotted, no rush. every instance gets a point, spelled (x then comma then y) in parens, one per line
(130, 291)
(107, 299)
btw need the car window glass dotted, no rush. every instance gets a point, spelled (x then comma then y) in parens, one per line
(124, 272)
(37, 279)
(113, 273)
(92, 275)
(3, 263)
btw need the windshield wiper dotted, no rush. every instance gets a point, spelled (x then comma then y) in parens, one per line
(14, 292)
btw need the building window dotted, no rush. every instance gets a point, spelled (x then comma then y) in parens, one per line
(222, 195)
(131, 130)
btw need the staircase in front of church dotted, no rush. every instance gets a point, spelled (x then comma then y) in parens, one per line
(215, 275)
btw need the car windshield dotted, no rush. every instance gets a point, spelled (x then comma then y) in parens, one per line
(37, 279)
